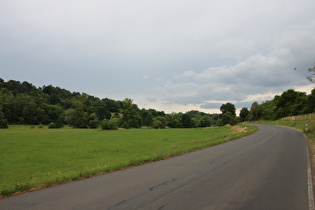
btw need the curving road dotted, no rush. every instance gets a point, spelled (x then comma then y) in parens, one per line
(266, 170)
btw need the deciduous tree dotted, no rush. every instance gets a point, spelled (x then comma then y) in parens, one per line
(130, 115)
(228, 107)
(244, 114)
(186, 121)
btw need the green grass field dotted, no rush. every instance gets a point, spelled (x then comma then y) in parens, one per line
(36, 158)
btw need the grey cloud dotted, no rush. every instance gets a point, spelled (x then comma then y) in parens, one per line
(205, 50)
(151, 99)
(211, 105)
(257, 74)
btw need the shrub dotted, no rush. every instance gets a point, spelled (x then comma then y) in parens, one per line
(159, 122)
(52, 125)
(60, 122)
(40, 126)
(93, 123)
(4, 123)
(104, 124)
(125, 125)
(112, 124)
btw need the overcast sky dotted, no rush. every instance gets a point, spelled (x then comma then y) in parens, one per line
(170, 55)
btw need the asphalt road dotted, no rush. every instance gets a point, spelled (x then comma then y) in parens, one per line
(266, 170)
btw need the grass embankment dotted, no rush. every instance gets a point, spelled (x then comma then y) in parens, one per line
(299, 123)
(37, 158)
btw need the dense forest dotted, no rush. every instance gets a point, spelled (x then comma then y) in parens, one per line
(289, 103)
(23, 103)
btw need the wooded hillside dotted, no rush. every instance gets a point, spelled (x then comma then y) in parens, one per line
(23, 103)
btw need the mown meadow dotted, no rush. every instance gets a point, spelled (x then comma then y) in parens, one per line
(32, 158)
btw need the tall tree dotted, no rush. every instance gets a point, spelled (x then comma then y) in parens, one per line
(228, 107)
(186, 121)
(243, 114)
(149, 119)
(255, 110)
(130, 116)
(268, 110)
(310, 104)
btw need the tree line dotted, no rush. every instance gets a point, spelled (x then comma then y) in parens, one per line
(23, 103)
(289, 103)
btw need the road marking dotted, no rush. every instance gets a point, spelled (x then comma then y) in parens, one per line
(310, 183)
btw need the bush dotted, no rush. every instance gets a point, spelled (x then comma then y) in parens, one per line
(52, 125)
(159, 122)
(206, 121)
(94, 123)
(113, 124)
(104, 124)
(4, 123)
(60, 122)
(40, 126)
(125, 125)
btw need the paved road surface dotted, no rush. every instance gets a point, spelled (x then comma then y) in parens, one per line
(266, 170)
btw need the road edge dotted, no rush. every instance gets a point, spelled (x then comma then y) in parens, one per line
(310, 179)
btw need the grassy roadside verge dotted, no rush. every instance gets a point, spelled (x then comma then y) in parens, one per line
(37, 158)
(299, 123)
